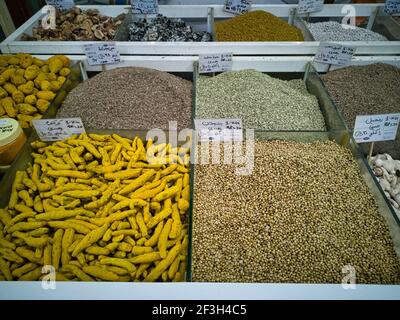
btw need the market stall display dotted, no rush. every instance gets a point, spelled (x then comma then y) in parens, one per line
(363, 90)
(131, 98)
(301, 216)
(261, 101)
(256, 26)
(98, 207)
(28, 85)
(334, 31)
(78, 25)
(201, 18)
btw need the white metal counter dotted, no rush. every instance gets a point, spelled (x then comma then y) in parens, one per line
(194, 291)
(264, 64)
(199, 12)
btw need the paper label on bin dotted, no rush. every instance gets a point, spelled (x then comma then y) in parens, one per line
(237, 6)
(333, 53)
(145, 6)
(102, 53)
(61, 4)
(307, 6)
(58, 129)
(219, 129)
(392, 7)
(215, 62)
(377, 127)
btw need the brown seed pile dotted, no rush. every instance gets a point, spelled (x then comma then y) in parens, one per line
(76, 24)
(371, 89)
(256, 26)
(130, 98)
(301, 216)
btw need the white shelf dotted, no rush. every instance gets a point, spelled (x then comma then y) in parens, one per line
(194, 291)
(265, 64)
(196, 12)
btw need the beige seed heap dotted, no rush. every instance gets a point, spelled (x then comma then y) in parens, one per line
(301, 216)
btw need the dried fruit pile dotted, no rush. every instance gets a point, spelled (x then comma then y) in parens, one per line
(76, 24)
(28, 85)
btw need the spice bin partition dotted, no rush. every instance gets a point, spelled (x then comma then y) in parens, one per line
(265, 63)
(76, 76)
(199, 290)
(194, 14)
(206, 247)
(212, 100)
(28, 156)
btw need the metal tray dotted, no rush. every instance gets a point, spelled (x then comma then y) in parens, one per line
(341, 137)
(333, 120)
(196, 15)
(24, 158)
(364, 147)
(384, 25)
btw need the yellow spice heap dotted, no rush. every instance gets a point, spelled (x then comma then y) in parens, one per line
(97, 207)
(256, 26)
(28, 85)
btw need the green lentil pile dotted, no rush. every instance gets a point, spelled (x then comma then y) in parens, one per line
(302, 215)
(261, 101)
(256, 26)
(371, 89)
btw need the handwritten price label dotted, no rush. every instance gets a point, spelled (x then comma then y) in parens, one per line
(218, 62)
(219, 129)
(61, 4)
(102, 53)
(6, 126)
(392, 7)
(58, 129)
(145, 6)
(379, 127)
(237, 6)
(336, 54)
(307, 6)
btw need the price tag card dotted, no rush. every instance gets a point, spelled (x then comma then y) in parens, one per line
(102, 53)
(377, 127)
(307, 6)
(237, 6)
(58, 129)
(215, 62)
(61, 4)
(219, 129)
(145, 6)
(333, 53)
(5, 126)
(392, 7)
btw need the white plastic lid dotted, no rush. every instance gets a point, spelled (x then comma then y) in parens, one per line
(9, 131)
